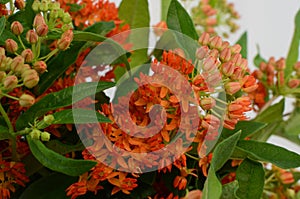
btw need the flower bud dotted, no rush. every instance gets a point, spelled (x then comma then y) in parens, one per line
(17, 64)
(294, 83)
(2, 62)
(237, 73)
(216, 42)
(66, 18)
(10, 82)
(16, 28)
(38, 20)
(286, 177)
(209, 64)
(54, 14)
(45, 136)
(7, 63)
(66, 27)
(43, 6)
(54, 6)
(207, 103)
(280, 78)
(25, 68)
(20, 4)
(225, 44)
(204, 39)
(297, 66)
(69, 34)
(36, 6)
(35, 134)
(61, 13)
(225, 55)
(232, 87)
(2, 75)
(237, 59)
(30, 78)
(236, 49)
(42, 30)
(11, 46)
(2, 51)
(280, 64)
(26, 100)
(244, 64)
(228, 68)
(32, 37)
(40, 67)
(48, 119)
(63, 44)
(27, 55)
(202, 52)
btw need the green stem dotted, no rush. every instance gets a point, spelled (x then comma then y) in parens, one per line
(221, 101)
(22, 44)
(6, 118)
(190, 156)
(269, 103)
(47, 57)
(9, 96)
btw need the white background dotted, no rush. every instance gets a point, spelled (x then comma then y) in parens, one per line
(270, 24)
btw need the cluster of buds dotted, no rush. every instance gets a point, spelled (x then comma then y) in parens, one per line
(209, 16)
(36, 134)
(222, 64)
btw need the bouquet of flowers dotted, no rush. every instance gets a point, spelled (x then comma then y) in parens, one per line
(97, 103)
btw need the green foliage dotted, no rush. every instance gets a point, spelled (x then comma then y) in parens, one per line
(293, 54)
(60, 99)
(79, 116)
(63, 148)
(272, 114)
(243, 41)
(250, 176)
(57, 162)
(164, 9)
(262, 151)
(229, 189)
(212, 186)
(2, 24)
(49, 187)
(258, 58)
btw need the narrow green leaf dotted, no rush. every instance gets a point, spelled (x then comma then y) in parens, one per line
(224, 150)
(179, 20)
(262, 151)
(2, 24)
(57, 162)
(292, 126)
(243, 41)
(75, 7)
(164, 9)
(258, 58)
(60, 99)
(251, 178)
(62, 148)
(212, 186)
(49, 187)
(248, 128)
(272, 114)
(4, 1)
(293, 54)
(79, 116)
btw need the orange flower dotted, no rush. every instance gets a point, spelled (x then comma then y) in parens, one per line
(123, 184)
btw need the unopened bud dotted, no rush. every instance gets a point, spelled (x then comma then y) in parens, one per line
(27, 55)
(2, 51)
(258, 74)
(2, 75)
(207, 103)
(25, 68)
(54, 14)
(297, 66)
(35, 134)
(228, 68)
(216, 42)
(42, 30)
(11, 46)
(10, 82)
(40, 67)
(263, 66)
(236, 49)
(202, 52)
(3, 62)
(8, 61)
(294, 83)
(17, 64)
(237, 59)
(36, 5)
(43, 6)
(225, 55)
(280, 64)
(280, 78)
(26, 100)
(63, 44)
(225, 44)
(54, 6)
(20, 4)
(48, 119)
(38, 20)
(232, 87)
(209, 64)
(204, 39)
(16, 28)
(244, 64)
(30, 78)
(32, 37)
(67, 18)
(237, 73)
(45, 136)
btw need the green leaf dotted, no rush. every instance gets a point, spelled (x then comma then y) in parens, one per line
(228, 191)
(4, 1)
(57, 162)
(75, 7)
(258, 58)
(49, 187)
(243, 41)
(272, 114)
(293, 54)
(248, 128)
(262, 151)
(164, 9)
(2, 24)
(79, 116)
(179, 20)
(224, 150)
(4, 134)
(251, 178)
(137, 17)
(62, 148)
(212, 186)
(292, 126)
(60, 99)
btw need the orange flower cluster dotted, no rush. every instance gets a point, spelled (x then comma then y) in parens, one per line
(11, 173)
(132, 127)
(3, 10)
(213, 17)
